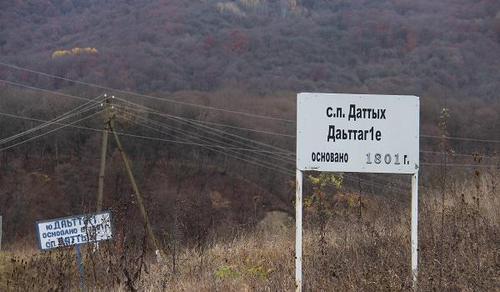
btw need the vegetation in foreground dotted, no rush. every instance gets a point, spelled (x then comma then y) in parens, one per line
(352, 243)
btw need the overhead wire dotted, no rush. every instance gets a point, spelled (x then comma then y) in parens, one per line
(197, 105)
(217, 139)
(119, 133)
(288, 172)
(73, 112)
(218, 124)
(451, 154)
(154, 112)
(460, 138)
(169, 100)
(224, 145)
(47, 133)
(346, 176)
(149, 110)
(43, 90)
(294, 136)
(462, 165)
(207, 128)
(204, 122)
(215, 148)
(247, 129)
(39, 128)
(230, 151)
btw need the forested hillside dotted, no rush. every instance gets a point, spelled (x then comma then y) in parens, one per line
(442, 48)
(249, 56)
(253, 56)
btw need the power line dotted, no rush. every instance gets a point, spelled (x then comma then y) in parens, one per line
(45, 125)
(170, 116)
(127, 92)
(460, 138)
(74, 112)
(232, 149)
(126, 134)
(44, 90)
(151, 110)
(258, 163)
(248, 129)
(197, 124)
(346, 176)
(461, 165)
(284, 171)
(196, 105)
(163, 125)
(154, 112)
(169, 100)
(194, 144)
(451, 154)
(46, 133)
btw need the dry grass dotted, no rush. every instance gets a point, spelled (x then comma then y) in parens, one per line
(367, 253)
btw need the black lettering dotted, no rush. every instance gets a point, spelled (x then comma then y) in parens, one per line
(352, 112)
(382, 114)
(331, 133)
(329, 112)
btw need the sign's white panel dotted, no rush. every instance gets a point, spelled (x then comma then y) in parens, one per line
(74, 230)
(358, 133)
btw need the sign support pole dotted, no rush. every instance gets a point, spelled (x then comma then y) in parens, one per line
(414, 229)
(80, 267)
(298, 231)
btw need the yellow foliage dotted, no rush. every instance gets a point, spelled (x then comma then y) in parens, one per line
(42, 176)
(58, 54)
(325, 179)
(231, 8)
(74, 52)
(226, 272)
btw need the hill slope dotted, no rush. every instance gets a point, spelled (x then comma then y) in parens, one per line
(425, 47)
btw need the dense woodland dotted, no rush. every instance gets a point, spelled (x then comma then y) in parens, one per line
(246, 55)
(243, 55)
(439, 48)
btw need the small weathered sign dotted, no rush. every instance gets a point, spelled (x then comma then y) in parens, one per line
(74, 230)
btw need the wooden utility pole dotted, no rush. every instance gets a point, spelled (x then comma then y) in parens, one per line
(138, 195)
(104, 147)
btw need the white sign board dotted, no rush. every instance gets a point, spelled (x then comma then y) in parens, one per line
(74, 230)
(358, 133)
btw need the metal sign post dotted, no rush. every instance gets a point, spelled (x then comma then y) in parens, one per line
(298, 231)
(80, 267)
(75, 230)
(414, 228)
(357, 133)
